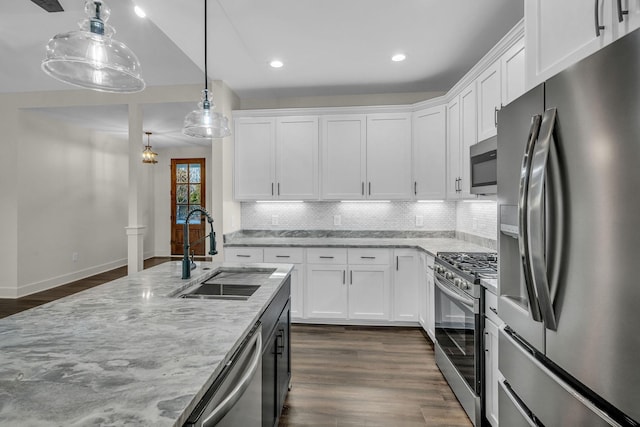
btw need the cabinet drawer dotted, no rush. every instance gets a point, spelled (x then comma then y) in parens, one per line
(326, 256)
(284, 255)
(369, 256)
(243, 254)
(491, 304)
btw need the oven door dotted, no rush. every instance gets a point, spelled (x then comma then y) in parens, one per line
(458, 330)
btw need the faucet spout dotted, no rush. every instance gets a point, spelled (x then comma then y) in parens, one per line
(187, 264)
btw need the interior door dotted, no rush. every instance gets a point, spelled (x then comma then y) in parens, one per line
(187, 192)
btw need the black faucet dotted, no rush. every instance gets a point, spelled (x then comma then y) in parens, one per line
(188, 265)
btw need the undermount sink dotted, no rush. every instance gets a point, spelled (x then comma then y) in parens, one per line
(229, 284)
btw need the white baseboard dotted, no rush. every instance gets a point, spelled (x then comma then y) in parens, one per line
(53, 282)
(354, 322)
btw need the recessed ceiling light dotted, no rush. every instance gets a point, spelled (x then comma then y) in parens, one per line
(276, 63)
(398, 57)
(138, 10)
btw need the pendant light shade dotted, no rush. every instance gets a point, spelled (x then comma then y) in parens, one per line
(202, 122)
(148, 156)
(90, 58)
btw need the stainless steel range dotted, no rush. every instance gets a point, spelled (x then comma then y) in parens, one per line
(459, 319)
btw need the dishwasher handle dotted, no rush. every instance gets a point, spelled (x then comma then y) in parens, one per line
(225, 406)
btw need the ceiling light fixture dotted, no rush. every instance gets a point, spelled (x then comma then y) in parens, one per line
(148, 156)
(202, 122)
(138, 10)
(276, 64)
(90, 58)
(399, 57)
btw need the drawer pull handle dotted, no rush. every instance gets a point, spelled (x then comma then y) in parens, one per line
(283, 256)
(243, 256)
(494, 310)
(368, 257)
(326, 257)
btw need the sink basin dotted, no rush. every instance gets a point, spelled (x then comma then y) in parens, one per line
(229, 283)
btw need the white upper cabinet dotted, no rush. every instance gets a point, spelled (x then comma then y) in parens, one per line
(629, 21)
(453, 148)
(512, 64)
(468, 137)
(489, 86)
(560, 33)
(276, 158)
(254, 171)
(429, 153)
(343, 156)
(389, 156)
(297, 158)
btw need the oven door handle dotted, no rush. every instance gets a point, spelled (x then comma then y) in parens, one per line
(454, 295)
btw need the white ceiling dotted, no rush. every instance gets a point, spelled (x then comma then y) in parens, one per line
(329, 47)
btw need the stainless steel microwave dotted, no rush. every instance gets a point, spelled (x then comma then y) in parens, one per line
(483, 163)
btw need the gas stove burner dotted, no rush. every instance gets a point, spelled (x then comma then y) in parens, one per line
(472, 265)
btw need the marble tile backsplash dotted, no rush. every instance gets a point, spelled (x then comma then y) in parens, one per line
(433, 216)
(472, 217)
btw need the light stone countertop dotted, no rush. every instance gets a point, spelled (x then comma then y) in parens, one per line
(123, 353)
(429, 245)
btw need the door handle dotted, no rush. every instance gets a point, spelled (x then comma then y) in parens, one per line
(363, 188)
(596, 16)
(523, 208)
(278, 189)
(351, 277)
(397, 262)
(344, 276)
(369, 187)
(621, 12)
(495, 116)
(272, 188)
(536, 218)
(415, 188)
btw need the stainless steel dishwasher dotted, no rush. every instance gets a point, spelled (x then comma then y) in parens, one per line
(235, 399)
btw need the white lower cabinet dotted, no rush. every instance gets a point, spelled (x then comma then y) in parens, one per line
(295, 256)
(431, 304)
(492, 375)
(406, 285)
(326, 292)
(369, 292)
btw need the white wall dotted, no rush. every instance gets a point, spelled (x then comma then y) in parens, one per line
(72, 198)
(8, 205)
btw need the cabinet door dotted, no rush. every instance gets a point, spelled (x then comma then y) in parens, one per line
(468, 137)
(560, 33)
(343, 157)
(512, 63)
(405, 285)
(389, 156)
(254, 175)
(453, 148)
(269, 382)
(429, 153)
(431, 304)
(422, 292)
(297, 158)
(369, 292)
(489, 100)
(326, 296)
(297, 277)
(630, 20)
(491, 371)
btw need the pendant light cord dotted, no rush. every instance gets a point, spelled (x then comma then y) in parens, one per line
(206, 76)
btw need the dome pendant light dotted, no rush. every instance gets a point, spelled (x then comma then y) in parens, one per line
(148, 156)
(90, 58)
(202, 122)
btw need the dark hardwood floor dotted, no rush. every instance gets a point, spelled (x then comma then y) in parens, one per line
(342, 375)
(13, 306)
(367, 376)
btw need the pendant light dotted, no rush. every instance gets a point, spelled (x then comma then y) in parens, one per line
(202, 122)
(148, 156)
(90, 58)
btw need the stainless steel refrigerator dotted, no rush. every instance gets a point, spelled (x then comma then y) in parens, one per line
(569, 245)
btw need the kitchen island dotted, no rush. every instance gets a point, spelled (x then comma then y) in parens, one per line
(123, 353)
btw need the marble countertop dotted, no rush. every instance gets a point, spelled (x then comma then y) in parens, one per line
(429, 245)
(123, 353)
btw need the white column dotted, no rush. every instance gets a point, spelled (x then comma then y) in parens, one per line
(135, 229)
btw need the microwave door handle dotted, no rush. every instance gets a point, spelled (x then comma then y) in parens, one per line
(536, 218)
(525, 172)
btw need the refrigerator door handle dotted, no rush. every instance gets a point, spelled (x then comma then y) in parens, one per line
(536, 218)
(516, 404)
(525, 172)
